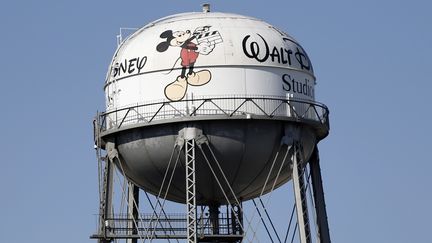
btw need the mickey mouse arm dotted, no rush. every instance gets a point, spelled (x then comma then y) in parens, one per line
(194, 48)
(187, 42)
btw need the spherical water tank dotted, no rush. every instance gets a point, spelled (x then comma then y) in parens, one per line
(244, 83)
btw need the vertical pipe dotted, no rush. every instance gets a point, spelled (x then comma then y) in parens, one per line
(214, 218)
(227, 219)
(133, 202)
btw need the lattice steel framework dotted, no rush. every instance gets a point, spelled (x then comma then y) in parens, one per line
(190, 190)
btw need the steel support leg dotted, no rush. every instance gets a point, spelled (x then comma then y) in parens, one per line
(300, 195)
(133, 214)
(106, 201)
(190, 190)
(106, 206)
(318, 192)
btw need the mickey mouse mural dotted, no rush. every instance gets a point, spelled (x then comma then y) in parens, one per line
(201, 41)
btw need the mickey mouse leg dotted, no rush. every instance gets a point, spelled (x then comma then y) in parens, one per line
(198, 78)
(176, 90)
(191, 67)
(183, 72)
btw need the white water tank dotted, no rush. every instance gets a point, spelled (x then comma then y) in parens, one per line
(246, 84)
(221, 55)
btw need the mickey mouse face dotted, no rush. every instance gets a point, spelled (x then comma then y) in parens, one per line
(177, 38)
(180, 37)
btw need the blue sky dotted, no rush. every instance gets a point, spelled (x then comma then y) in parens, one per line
(373, 68)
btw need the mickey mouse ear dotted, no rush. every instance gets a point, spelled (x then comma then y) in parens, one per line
(166, 34)
(163, 46)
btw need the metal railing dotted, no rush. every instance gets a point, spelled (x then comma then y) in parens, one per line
(170, 226)
(206, 108)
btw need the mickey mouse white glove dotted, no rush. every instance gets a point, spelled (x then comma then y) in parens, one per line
(205, 48)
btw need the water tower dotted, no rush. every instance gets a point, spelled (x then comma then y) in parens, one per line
(210, 110)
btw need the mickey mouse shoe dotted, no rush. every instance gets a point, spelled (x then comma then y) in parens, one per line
(199, 78)
(176, 90)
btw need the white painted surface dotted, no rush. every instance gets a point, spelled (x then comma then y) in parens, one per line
(140, 73)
